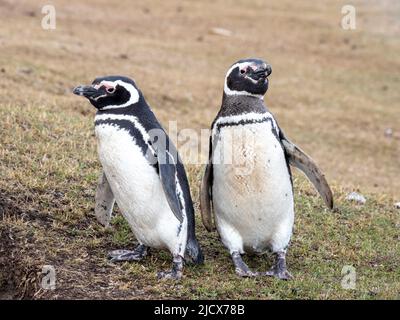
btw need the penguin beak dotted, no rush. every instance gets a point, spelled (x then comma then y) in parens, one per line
(87, 91)
(261, 72)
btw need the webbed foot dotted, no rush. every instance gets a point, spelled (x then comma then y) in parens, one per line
(279, 269)
(241, 268)
(126, 255)
(175, 273)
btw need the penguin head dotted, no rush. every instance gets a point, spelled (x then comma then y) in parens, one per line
(111, 92)
(248, 77)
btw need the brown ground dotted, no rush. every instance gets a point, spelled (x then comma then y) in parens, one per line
(334, 92)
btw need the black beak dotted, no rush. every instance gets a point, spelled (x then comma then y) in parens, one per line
(268, 70)
(86, 91)
(262, 72)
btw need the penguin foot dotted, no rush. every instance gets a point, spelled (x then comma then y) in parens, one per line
(241, 268)
(126, 255)
(283, 275)
(246, 273)
(169, 275)
(279, 269)
(175, 273)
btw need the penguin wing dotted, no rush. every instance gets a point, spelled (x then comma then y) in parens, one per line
(104, 201)
(206, 193)
(302, 161)
(169, 179)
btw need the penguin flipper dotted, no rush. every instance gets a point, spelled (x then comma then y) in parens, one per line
(104, 201)
(302, 161)
(169, 179)
(206, 191)
(206, 199)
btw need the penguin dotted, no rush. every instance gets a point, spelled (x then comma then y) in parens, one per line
(142, 173)
(246, 190)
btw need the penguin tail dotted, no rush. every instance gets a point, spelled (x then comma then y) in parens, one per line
(193, 250)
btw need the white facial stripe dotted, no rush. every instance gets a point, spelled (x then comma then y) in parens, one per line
(97, 98)
(252, 80)
(97, 86)
(241, 66)
(129, 87)
(107, 84)
(230, 92)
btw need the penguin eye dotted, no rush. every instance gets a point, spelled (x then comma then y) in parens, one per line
(110, 90)
(242, 71)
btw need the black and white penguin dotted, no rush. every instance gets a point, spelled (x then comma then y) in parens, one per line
(142, 172)
(247, 181)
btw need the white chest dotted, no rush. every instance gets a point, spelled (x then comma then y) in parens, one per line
(136, 187)
(252, 192)
(124, 163)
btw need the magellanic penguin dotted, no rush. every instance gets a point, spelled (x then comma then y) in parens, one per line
(142, 172)
(247, 181)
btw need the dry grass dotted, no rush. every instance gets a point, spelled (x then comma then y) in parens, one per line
(333, 91)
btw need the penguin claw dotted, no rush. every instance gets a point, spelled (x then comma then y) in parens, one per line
(127, 255)
(169, 275)
(130, 256)
(124, 255)
(246, 273)
(282, 274)
(116, 253)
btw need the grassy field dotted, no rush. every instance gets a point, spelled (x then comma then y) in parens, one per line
(334, 92)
